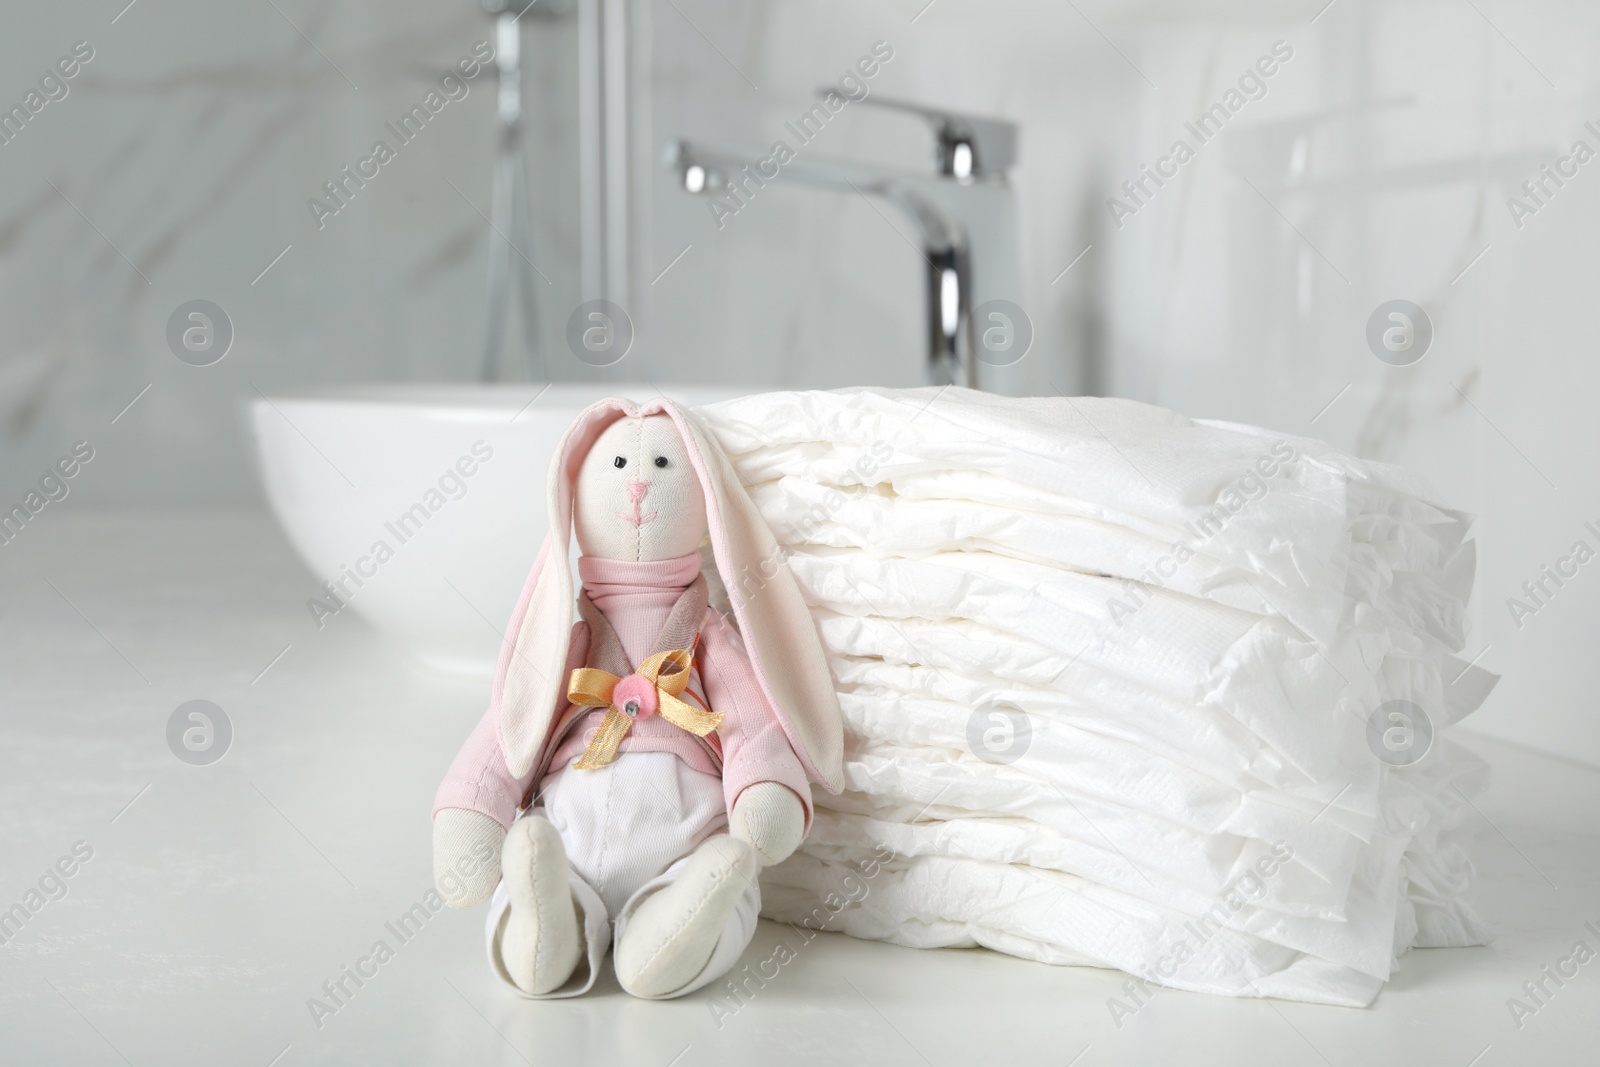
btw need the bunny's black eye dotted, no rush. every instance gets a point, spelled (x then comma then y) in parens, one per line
(619, 462)
(661, 461)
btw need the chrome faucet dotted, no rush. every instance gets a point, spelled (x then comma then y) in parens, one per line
(973, 156)
(510, 219)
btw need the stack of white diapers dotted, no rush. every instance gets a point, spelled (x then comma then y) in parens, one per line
(1119, 687)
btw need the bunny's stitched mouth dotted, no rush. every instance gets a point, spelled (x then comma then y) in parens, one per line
(635, 518)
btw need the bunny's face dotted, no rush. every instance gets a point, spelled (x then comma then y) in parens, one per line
(637, 496)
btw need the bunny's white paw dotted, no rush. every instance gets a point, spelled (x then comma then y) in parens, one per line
(770, 818)
(466, 856)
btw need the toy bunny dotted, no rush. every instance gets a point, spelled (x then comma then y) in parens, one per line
(670, 752)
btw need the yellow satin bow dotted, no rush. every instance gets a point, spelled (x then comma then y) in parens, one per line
(590, 687)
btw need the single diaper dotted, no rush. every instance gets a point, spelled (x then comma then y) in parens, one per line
(1108, 677)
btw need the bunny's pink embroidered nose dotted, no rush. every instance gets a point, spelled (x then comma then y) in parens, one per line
(636, 492)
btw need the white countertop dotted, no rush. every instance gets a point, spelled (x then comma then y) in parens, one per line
(222, 897)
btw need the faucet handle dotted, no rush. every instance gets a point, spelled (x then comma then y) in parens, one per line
(970, 146)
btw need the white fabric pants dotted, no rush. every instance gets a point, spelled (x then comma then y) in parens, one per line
(628, 828)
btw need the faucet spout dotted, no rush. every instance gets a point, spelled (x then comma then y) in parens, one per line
(943, 239)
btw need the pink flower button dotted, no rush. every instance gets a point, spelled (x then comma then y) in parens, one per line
(636, 696)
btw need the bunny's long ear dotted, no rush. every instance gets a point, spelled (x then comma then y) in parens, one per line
(529, 682)
(776, 625)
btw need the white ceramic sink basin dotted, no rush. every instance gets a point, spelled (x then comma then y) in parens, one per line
(422, 506)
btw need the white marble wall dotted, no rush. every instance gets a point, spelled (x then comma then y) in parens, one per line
(1376, 166)
(190, 144)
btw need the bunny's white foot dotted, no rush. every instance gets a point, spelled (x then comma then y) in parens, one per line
(541, 943)
(671, 935)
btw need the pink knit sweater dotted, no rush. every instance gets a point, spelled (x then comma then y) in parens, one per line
(636, 599)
